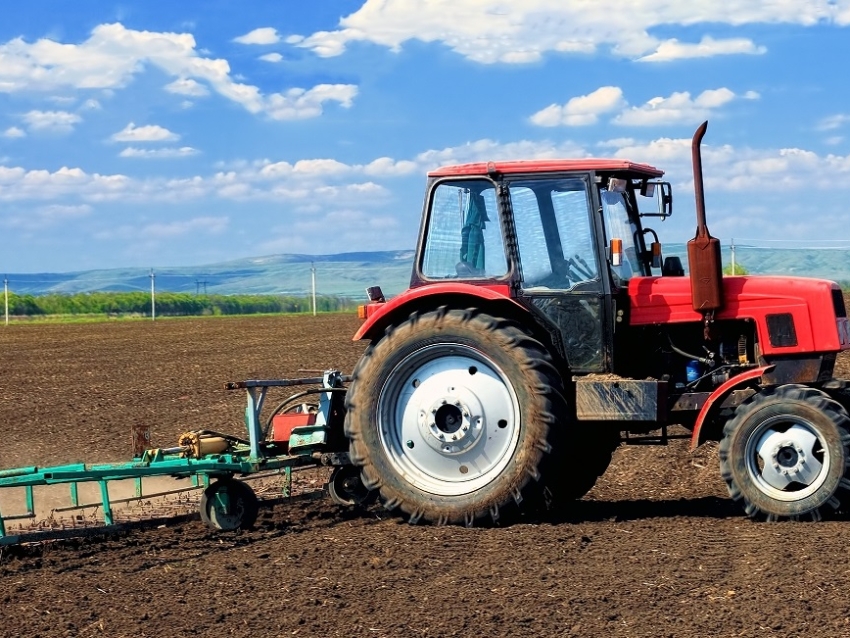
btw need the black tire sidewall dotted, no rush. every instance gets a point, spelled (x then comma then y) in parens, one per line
(827, 432)
(514, 366)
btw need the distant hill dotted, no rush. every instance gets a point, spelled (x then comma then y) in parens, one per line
(348, 274)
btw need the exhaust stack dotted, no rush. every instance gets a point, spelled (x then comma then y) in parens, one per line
(703, 250)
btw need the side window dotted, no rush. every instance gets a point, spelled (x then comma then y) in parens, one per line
(618, 224)
(464, 239)
(552, 220)
(571, 214)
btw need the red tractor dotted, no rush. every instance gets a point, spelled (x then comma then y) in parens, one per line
(542, 328)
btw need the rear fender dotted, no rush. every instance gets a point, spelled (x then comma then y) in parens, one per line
(719, 395)
(381, 315)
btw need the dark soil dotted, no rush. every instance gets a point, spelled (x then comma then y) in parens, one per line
(656, 549)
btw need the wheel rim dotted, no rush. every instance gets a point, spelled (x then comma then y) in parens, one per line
(787, 458)
(448, 419)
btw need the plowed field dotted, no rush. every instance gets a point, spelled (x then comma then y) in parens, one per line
(656, 549)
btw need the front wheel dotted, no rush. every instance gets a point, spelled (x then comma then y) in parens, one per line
(454, 415)
(785, 453)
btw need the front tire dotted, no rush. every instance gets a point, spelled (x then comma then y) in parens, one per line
(785, 453)
(453, 416)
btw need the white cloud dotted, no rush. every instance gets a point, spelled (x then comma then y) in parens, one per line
(707, 47)
(158, 153)
(56, 121)
(14, 132)
(298, 104)
(187, 86)
(678, 108)
(113, 55)
(271, 57)
(149, 133)
(582, 110)
(90, 105)
(263, 35)
(489, 31)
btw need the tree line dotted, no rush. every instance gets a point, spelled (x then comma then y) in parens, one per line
(168, 304)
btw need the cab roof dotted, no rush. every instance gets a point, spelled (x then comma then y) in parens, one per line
(548, 166)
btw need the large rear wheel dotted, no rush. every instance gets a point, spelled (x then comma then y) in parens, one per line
(785, 453)
(454, 415)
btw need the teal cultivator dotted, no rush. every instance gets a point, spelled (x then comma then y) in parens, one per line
(294, 436)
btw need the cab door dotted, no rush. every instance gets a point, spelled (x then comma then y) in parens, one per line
(561, 275)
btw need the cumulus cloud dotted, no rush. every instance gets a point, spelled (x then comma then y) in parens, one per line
(263, 35)
(491, 31)
(296, 104)
(271, 57)
(707, 47)
(158, 153)
(187, 86)
(678, 108)
(114, 54)
(55, 121)
(14, 132)
(582, 110)
(149, 133)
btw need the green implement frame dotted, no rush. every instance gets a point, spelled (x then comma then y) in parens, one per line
(307, 446)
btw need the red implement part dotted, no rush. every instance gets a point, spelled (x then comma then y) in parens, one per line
(283, 424)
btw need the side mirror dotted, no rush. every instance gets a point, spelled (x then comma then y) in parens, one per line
(662, 193)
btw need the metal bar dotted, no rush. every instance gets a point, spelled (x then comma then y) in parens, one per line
(279, 383)
(220, 464)
(256, 396)
(107, 506)
(17, 517)
(75, 494)
(129, 499)
(138, 486)
(30, 500)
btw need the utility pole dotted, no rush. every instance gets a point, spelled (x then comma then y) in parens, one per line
(6, 295)
(313, 277)
(733, 257)
(153, 296)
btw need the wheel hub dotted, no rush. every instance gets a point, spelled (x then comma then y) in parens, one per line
(450, 425)
(788, 462)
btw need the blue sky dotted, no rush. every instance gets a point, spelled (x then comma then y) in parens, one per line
(185, 133)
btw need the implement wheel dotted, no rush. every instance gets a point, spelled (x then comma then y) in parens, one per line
(454, 415)
(785, 453)
(346, 488)
(229, 504)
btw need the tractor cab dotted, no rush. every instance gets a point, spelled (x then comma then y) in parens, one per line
(564, 236)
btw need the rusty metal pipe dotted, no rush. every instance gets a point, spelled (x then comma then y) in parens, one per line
(699, 193)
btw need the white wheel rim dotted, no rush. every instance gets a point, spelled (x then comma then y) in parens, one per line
(448, 419)
(787, 458)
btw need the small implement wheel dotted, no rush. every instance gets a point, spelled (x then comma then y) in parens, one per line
(229, 504)
(346, 488)
(454, 416)
(785, 453)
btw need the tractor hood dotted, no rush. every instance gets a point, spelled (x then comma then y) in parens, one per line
(813, 308)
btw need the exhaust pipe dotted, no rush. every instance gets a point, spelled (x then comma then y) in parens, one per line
(704, 262)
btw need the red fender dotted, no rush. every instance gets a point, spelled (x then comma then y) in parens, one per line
(720, 394)
(378, 314)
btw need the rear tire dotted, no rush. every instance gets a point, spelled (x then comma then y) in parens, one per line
(454, 416)
(785, 453)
